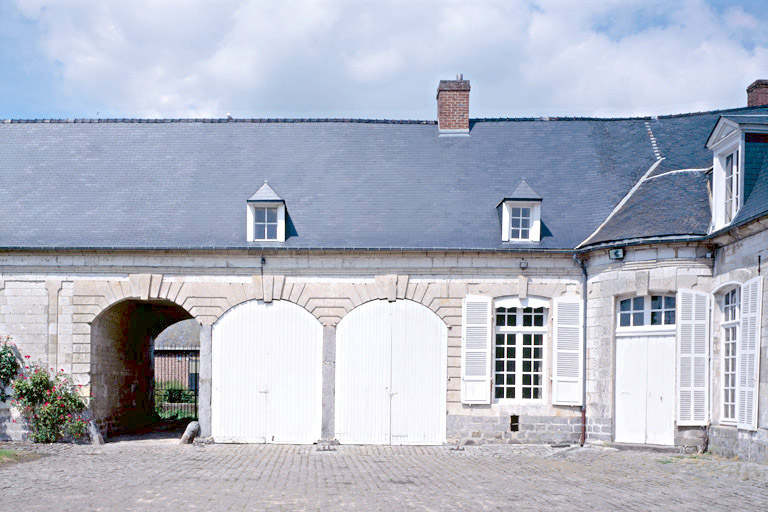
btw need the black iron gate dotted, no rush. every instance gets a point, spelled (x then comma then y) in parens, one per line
(177, 375)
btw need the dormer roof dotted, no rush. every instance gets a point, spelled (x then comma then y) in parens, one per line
(522, 192)
(728, 124)
(265, 194)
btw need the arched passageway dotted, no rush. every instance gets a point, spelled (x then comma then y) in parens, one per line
(121, 362)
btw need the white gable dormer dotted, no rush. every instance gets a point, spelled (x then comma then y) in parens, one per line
(727, 145)
(521, 215)
(265, 216)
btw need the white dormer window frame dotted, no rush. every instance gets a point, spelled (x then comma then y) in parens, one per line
(728, 179)
(514, 221)
(265, 221)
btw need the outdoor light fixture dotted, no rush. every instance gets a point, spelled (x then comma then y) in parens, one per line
(523, 265)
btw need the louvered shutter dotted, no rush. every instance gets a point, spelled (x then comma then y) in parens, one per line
(567, 375)
(692, 357)
(748, 354)
(476, 350)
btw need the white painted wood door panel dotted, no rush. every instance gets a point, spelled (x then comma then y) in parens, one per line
(390, 375)
(660, 391)
(267, 370)
(363, 370)
(645, 389)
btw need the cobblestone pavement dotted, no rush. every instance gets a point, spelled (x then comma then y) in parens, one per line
(163, 475)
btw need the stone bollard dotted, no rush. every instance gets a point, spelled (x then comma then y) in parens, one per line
(192, 431)
(94, 434)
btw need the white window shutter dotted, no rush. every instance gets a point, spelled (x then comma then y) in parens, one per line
(477, 331)
(748, 354)
(568, 371)
(692, 357)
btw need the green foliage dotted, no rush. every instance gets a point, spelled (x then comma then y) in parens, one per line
(9, 366)
(50, 405)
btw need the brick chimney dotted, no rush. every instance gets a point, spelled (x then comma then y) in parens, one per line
(453, 106)
(757, 93)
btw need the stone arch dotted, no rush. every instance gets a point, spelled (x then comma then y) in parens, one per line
(120, 361)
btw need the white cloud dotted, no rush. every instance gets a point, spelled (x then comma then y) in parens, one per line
(383, 59)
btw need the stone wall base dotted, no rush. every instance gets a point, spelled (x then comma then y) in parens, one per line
(498, 429)
(730, 442)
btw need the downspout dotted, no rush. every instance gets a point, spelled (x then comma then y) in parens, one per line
(583, 437)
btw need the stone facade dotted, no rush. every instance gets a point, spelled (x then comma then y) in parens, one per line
(644, 270)
(104, 290)
(72, 310)
(736, 262)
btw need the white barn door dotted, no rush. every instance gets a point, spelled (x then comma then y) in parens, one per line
(267, 371)
(645, 389)
(391, 364)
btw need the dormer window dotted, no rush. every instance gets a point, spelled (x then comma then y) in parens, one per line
(521, 215)
(265, 216)
(265, 222)
(737, 143)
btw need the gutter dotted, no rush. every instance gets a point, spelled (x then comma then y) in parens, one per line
(583, 437)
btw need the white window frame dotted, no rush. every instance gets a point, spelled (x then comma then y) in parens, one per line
(732, 323)
(731, 146)
(251, 221)
(534, 234)
(646, 328)
(518, 331)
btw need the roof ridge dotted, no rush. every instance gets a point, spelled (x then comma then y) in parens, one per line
(255, 120)
(290, 120)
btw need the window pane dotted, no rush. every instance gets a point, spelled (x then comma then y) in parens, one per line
(625, 305)
(526, 392)
(638, 303)
(625, 320)
(526, 212)
(499, 392)
(536, 392)
(524, 233)
(272, 231)
(499, 321)
(656, 302)
(515, 212)
(669, 302)
(515, 234)
(259, 230)
(527, 320)
(637, 319)
(499, 352)
(510, 392)
(499, 366)
(669, 317)
(655, 317)
(525, 223)
(259, 214)
(515, 222)
(271, 214)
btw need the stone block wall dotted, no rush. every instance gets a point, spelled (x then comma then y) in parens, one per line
(737, 262)
(328, 285)
(643, 271)
(531, 429)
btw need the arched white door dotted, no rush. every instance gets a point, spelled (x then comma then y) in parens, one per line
(267, 371)
(391, 364)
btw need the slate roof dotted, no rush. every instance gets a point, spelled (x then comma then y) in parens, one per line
(347, 184)
(183, 335)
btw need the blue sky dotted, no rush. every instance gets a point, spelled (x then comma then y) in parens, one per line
(194, 58)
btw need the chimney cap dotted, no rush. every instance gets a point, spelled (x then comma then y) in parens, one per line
(757, 84)
(453, 85)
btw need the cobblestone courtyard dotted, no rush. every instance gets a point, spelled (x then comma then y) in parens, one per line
(162, 475)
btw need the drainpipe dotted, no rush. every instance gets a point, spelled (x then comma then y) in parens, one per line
(583, 438)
